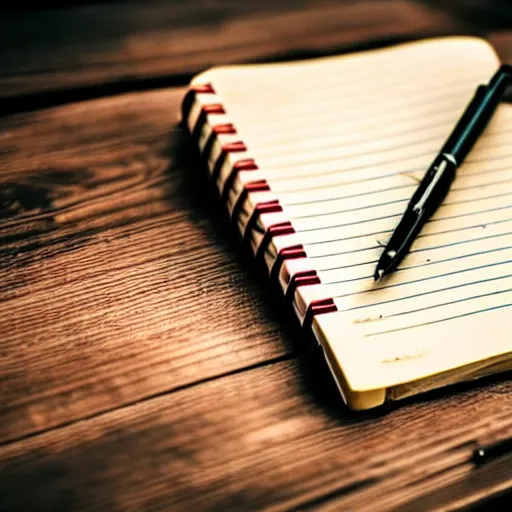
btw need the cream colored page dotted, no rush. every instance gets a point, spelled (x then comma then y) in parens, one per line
(342, 143)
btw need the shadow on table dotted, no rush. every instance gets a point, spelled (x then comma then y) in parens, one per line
(315, 378)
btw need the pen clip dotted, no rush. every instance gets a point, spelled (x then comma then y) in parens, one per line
(438, 174)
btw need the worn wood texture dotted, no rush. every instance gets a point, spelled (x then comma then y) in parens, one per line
(115, 282)
(502, 42)
(98, 45)
(142, 366)
(272, 437)
(485, 14)
(119, 290)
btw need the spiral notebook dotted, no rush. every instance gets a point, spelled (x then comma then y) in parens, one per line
(315, 161)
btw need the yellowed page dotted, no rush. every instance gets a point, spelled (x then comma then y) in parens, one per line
(342, 143)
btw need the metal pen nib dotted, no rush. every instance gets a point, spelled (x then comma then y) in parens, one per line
(378, 275)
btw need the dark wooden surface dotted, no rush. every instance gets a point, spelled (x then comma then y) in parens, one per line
(142, 365)
(125, 42)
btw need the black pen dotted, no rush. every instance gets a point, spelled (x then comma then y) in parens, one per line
(437, 180)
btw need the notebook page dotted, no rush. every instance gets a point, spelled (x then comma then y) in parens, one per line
(342, 143)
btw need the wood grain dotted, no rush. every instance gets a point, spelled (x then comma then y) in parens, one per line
(116, 282)
(123, 42)
(269, 438)
(142, 367)
(502, 42)
(484, 14)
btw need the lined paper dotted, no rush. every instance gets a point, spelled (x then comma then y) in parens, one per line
(342, 143)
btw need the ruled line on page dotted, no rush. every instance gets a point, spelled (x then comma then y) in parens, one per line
(336, 196)
(376, 110)
(353, 233)
(374, 105)
(413, 251)
(361, 68)
(296, 160)
(330, 183)
(380, 234)
(425, 80)
(406, 199)
(423, 324)
(411, 255)
(388, 232)
(417, 81)
(380, 315)
(357, 291)
(457, 272)
(431, 301)
(398, 215)
(427, 293)
(330, 155)
(493, 294)
(317, 125)
(315, 144)
(457, 206)
(294, 173)
(325, 136)
(372, 100)
(421, 265)
(327, 180)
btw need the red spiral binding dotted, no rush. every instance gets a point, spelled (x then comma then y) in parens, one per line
(190, 98)
(249, 188)
(316, 307)
(271, 206)
(279, 229)
(256, 186)
(226, 128)
(295, 251)
(304, 278)
(203, 88)
(234, 147)
(247, 164)
(206, 110)
(292, 252)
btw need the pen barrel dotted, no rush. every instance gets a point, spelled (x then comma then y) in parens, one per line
(472, 122)
(434, 186)
(477, 115)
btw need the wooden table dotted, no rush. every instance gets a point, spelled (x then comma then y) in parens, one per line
(142, 365)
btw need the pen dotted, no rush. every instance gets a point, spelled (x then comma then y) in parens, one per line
(437, 180)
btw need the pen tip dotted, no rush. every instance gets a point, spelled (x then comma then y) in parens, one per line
(378, 275)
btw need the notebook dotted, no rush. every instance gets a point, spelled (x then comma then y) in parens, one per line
(315, 161)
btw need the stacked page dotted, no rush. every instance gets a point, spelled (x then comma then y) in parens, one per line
(315, 162)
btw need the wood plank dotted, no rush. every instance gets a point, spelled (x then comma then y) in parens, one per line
(116, 281)
(485, 14)
(272, 437)
(105, 240)
(93, 46)
(502, 41)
